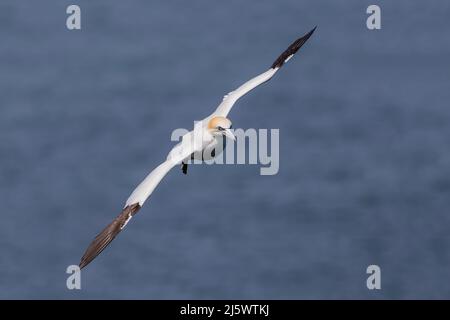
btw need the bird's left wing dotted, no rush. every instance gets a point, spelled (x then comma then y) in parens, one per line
(230, 99)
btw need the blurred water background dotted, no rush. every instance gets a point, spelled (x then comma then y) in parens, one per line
(364, 127)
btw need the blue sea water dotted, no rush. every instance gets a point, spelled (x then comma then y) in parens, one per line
(364, 127)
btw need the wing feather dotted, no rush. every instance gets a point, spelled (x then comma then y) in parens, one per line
(291, 50)
(135, 202)
(104, 238)
(230, 99)
(146, 187)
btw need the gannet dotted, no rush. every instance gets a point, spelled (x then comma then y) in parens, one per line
(200, 143)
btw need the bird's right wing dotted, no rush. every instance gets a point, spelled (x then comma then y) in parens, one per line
(132, 206)
(137, 199)
(230, 99)
(108, 234)
(146, 187)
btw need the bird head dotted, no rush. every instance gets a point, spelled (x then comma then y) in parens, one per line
(220, 126)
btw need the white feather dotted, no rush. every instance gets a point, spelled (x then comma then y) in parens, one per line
(230, 99)
(288, 58)
(180, 152)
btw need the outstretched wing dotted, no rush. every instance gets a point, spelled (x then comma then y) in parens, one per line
(146, 187)
(133, 204)
(137, 198)
(230, 99)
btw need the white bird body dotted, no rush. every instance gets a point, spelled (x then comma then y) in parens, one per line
(200, 143)
(193, 142)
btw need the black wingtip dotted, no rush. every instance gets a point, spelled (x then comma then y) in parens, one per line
(292, 49)
(104, 238)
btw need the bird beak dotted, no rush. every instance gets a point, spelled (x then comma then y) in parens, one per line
(229, 134)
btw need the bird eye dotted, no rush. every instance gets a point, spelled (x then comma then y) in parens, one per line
(220, 128)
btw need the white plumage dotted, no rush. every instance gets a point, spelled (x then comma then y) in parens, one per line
(194, 144)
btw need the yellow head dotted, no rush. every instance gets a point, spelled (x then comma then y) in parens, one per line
(221, 126)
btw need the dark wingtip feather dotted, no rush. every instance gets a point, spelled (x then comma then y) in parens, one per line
(104, 238)
(292, 49)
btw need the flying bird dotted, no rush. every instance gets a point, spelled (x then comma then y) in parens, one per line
(193, 145)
